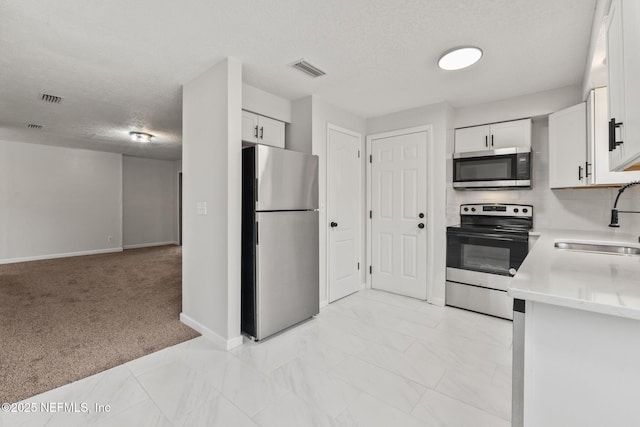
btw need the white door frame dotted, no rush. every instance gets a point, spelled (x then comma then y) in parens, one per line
(430, 208)
(330, 127)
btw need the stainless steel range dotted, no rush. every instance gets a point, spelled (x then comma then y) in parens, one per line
(483, 253)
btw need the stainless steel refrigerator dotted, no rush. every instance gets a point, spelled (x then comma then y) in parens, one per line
(280, 254)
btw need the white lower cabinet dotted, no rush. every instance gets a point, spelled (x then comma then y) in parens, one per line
(580, 368)
(579, 146)
(262, 130)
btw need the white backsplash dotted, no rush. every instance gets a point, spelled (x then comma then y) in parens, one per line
(576, 209)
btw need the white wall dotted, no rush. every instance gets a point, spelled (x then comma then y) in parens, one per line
(212, 173)
(58, 201)
(265, 103)
(299, 134)
(323, 114)
(149, 199)
(532, 105)
(440, 116)
(576, 209)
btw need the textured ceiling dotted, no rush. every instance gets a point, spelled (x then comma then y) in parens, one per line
(120, 64)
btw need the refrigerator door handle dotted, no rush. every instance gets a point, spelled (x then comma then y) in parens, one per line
(256, 190)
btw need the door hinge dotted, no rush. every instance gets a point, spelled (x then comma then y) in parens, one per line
(370, 158)
(370, 270)
(358, 266)
(370, 214)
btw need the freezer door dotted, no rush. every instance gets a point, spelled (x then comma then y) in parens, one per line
(286, 180)
(287, 284)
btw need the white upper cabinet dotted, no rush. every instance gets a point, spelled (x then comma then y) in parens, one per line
(249, 127)
(623, 62)
(598, 143)
(568, 147)
(475, 138)
(271, 132)
(579, 146)
(516, 133)
(262, 130)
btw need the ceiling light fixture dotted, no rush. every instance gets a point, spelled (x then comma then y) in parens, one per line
(140, 136)
(459, 58)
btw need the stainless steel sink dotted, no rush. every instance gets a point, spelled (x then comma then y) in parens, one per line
(602, 247)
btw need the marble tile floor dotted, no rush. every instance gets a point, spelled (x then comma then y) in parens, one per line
(370, 359)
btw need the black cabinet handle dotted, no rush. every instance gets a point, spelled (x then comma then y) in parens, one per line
(262, 132)
(333, 224)
(492, 140)
(486, 141)
(256, 129)
(612, 134)
(421, 226)
(586, 170)
(579, 173)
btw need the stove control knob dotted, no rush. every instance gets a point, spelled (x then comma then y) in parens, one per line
(525, 210)
(466, 209)
(516, 210)
(473, 209)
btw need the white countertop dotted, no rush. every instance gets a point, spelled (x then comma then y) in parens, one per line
(602, 283)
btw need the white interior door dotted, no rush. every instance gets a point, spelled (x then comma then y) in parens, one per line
(343, 188)
(398, 217)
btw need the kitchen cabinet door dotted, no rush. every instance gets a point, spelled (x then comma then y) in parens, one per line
(623, 62)
(568, 147)
(516, 133)
(270, 132)
(249, 127)
(262, 130)
(475, 138)
(598, 143)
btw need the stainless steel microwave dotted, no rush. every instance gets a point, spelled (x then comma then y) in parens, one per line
(492, 169)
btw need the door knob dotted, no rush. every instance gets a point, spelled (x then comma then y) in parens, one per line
(333, 224)
(421, 226)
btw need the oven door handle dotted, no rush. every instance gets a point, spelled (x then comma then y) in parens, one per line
(491, 236)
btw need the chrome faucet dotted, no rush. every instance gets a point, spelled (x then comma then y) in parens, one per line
(614, 211)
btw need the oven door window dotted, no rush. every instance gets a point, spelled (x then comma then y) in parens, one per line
(488, 253)
(493, 168)
(488, 259)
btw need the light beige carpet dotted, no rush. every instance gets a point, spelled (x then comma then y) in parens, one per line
(65, 319)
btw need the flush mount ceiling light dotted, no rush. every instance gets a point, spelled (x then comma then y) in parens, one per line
(140, 136)
(459, 58)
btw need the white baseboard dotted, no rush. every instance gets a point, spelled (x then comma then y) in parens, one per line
(62, 255)
(437, 301)
(227, 344)
(323, 304)
(148, 245)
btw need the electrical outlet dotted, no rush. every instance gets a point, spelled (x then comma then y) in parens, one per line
(110, 239)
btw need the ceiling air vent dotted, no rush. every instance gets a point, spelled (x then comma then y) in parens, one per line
(34, 126)
(50, 98)
(307, 68)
